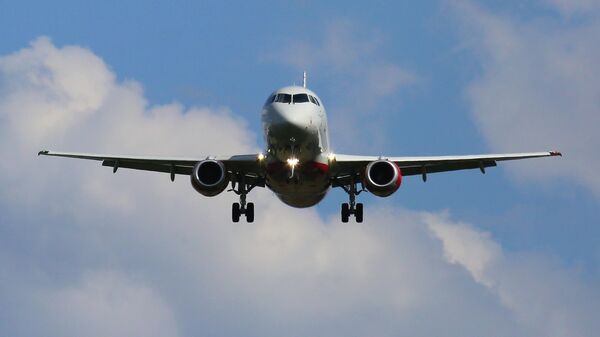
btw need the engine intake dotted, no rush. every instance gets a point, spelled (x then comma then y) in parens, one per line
(209, 177)
(382, 177)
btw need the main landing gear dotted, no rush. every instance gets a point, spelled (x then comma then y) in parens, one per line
(352, 207)
(237, 209)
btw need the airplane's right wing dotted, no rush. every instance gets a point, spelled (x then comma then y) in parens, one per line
(246, 164)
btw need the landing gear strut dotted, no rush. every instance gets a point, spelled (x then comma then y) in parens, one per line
(237, 209)
(352, 207)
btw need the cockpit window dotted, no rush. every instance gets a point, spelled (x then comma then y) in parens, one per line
(283, 98)
(316, 101)
(301, 98)
(312, 99)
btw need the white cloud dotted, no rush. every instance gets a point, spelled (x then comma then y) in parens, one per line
(463, 245)
(92, 253)
(103, 304)
(537, 291)
(538, 89)
(66, 85)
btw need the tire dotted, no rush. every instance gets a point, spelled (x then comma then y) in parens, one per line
(345, 212)
(250, 212)
(235, 212)
(359, 213)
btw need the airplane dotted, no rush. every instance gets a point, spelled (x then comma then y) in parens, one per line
(298, 164)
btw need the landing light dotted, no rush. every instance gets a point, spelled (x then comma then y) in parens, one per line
(331, 157)
(261, 157)
(292, 162)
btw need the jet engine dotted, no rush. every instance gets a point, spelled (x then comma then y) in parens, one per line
(209, 177)
(382, 177)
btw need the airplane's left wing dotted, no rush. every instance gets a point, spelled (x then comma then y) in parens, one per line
(244, 164)
(348, 165)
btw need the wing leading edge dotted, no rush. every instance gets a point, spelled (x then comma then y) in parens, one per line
(349, 164)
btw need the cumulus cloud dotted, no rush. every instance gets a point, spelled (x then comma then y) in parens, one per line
(474, 250)
(539, 87)
(86, 252)
(102, 304)
(540, 299)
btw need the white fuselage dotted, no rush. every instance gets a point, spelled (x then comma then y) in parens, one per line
(297, 139)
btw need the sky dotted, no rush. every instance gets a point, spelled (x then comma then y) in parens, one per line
(514, 252)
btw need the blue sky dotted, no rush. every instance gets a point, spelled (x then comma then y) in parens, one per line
(405, 78)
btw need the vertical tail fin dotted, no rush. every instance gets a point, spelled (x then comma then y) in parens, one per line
(304, 79)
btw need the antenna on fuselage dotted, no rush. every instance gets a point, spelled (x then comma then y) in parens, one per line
(304, 79)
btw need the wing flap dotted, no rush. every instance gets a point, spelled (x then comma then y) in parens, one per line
(148, 166)
(446, 166)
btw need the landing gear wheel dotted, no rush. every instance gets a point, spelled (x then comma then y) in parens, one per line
(352, 207)
(250, 212)
(241, 188)
(358, 213)
(345, 212)
(235, 212)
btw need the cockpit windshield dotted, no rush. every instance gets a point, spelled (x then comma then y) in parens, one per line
(301, 98)
(283, 98)
(316, 101)
(296, 98)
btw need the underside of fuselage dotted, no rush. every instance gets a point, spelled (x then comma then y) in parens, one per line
(301, 200)
(306, 187)
(307, 182)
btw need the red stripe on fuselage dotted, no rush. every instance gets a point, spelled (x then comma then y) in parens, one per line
(324, 168)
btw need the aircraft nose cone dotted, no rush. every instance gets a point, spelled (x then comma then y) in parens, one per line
(290, 124)
(291, 114)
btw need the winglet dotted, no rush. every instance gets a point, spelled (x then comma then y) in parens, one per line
(44, 152)
(555, 153)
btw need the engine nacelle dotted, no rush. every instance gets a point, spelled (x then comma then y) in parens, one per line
(209, 177)
(382, 177)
